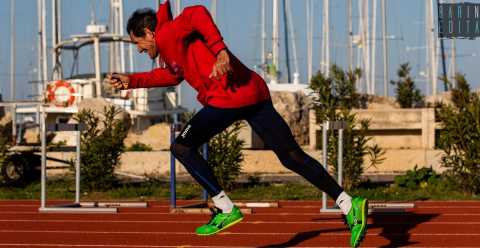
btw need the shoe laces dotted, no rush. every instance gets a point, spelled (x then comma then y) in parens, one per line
(355, 220)
(214, 220)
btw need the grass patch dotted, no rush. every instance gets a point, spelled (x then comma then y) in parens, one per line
(157, 190)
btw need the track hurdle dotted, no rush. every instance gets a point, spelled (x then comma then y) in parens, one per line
(340, 126)
(384, 207)
(76, 206)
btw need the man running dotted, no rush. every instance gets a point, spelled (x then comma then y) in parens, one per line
(193, 50)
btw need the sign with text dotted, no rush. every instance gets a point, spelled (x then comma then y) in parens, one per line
(459, 20)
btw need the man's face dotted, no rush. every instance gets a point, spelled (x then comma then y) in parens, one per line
(145, 43)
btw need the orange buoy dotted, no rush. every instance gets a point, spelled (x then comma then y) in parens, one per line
(61, 93)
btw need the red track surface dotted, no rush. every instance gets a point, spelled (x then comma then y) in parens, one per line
(293, 224)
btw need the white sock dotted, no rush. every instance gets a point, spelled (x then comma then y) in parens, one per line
(344, 201)
(223, 202)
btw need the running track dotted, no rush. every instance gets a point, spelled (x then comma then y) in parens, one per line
(293, 224)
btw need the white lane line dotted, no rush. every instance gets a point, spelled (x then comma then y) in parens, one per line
(67, 221)
(171, 246)
(314, 215)
(143, 246)
(230, 233)
(129, 246)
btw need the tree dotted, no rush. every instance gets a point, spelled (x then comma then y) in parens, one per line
(334, 98)
(225, 155)
(460, 137)
(408, 96)
(101, 147)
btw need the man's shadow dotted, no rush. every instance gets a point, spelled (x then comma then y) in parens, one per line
(395, 227)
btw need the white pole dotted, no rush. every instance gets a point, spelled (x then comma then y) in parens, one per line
(178, 7)
(264, 37)
(111, 46)
(427, 51)
(96, 50)
(213, 10)
(39, 50)
(296, 74)
(363, 53)
(43, 140)
(309, 40)
(361, 46)
(56, 73)
(323, 43)
(327, 37)
(12, 68)
(122, 33)
(12, 53)
(350, 33)
(130, 58)
(454, 62)
(433, 47)
(54, 31)
(59, 31)
(59, 21)
(77, 165)
(275, 40)
(385, 49)
(454, 59)
(374, 46)
(44, 42)
(366, 17)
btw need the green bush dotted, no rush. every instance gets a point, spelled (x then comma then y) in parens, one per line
(225, 155)
(417, 178)
(334, 98)
(460, 137)
(5, 141)
(139, 147)
(5, 144)
(408, 96)
(101, 147)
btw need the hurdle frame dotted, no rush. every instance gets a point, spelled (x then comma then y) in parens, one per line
(374, 207)
(340, 126)
(76, 206)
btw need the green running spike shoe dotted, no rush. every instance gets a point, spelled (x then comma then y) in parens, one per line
(220, 221)
(356, 220)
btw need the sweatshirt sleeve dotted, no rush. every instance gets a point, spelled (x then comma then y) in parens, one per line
(159, 77)
(197, 18)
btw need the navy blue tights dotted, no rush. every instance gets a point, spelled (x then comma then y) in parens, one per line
(268, 124)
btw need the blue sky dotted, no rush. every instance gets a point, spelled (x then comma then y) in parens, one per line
(239, 21)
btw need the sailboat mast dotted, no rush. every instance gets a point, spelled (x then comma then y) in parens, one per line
(385, 49)
(287, 55)
(309, 40)
(275, 41)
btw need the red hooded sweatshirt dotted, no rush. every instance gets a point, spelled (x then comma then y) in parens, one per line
(189, 45)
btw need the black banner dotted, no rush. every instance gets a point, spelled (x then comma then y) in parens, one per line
(459, 20)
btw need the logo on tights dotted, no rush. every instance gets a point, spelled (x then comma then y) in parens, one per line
(185, 131)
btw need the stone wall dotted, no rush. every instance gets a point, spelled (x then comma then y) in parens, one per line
(294, 107)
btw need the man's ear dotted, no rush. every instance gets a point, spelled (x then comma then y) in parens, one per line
(148, 32)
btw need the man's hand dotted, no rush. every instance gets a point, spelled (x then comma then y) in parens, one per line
(221, 66)
(118, 81)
